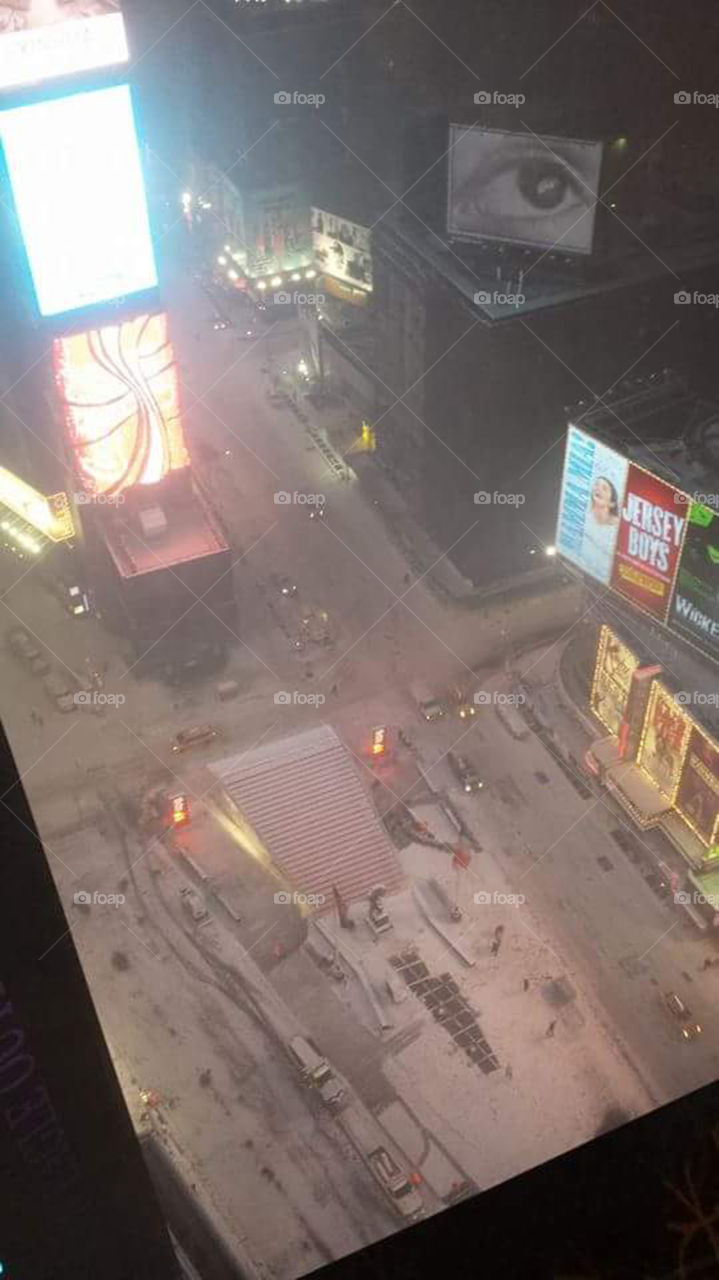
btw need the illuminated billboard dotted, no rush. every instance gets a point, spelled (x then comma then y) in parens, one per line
(75, 173)
(540, 191)
(119, 388)
(694, 610)
(43, 39)
(664, 740)
(50, 516)
(590, 504)
(649, 541)
(342, 249)
(697, 798)
(612, 682)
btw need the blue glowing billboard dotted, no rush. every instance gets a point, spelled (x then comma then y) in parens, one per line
(74, 168)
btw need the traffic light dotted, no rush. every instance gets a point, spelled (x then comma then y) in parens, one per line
(180, 810)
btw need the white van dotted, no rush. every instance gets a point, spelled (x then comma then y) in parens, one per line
(315, 1070)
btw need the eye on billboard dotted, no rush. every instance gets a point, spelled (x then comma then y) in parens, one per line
(540, 191)
(649, 541)
(342, 249)
(119, 388)
(591, 499)
(664, 739)
(75, 172)
(43, 39)
(697, 797)
(694, 611)
(612, 682)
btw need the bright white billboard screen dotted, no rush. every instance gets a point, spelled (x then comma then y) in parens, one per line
(76, 177)
(43, 39)
(591, 503)
(523, 188)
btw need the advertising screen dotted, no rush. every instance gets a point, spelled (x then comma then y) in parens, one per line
(342, 249)
(523, 188)
(75, 172)
(590, 503)
(664, 739)
(698, 796)
(613, 674)
(118, 385)
(694, 611)
(277, 231)
(651, 532)
(43, 39)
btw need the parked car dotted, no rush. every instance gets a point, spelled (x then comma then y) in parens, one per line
(22, 644)
(429, 707)
(198, 736)
(464, 771)
(682, 1015)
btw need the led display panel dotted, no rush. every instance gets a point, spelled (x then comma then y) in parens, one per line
(75, 172)
(694, 611)
(649, 541)
(522, 188)
(119, 388)
(43, 39)
(590, 504)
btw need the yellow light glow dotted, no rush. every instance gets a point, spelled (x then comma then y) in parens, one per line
(44, 514)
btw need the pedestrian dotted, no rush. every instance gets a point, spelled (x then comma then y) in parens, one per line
(499, 931)
(407, 579)
(494, 948)
(708, 963)
(335, 689)
(550, 1029)
(525, 984)
(508, 1072)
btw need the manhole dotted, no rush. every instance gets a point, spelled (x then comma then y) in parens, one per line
(541, 777)
(605, 864)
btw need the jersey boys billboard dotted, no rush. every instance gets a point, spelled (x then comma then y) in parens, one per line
(641, 536)
(649, 542)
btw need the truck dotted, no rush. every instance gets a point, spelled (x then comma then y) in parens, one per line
(316, 1071)
(429, 707)
(405, 1198)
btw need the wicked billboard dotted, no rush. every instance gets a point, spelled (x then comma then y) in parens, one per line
(694, 611)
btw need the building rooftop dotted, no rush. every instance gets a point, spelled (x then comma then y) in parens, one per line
(306, 801)
(160, 526)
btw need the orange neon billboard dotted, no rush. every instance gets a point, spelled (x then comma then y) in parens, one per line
(119, 389)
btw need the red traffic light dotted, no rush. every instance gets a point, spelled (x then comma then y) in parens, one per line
(180, 811)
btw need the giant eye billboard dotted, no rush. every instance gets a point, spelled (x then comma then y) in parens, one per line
(43, 39)
(75, 173)
(119, 388)
(520, 187)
